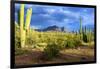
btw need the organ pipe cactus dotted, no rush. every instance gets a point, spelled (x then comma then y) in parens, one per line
(24, 27)
(80, 31)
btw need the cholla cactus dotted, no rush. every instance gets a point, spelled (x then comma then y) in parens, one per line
(24, 28)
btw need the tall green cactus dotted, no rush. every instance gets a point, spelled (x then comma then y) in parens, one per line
(28, 19)
(89, 35)
(24, 27)
(22, 32)
(84, 34)
(80, 31)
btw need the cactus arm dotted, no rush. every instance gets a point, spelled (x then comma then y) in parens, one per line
(28, 19)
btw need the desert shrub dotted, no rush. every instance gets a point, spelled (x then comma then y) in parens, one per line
(61, 42)
(31, 41)
(77, 43)
(51, 50)
(73, 41)
(53, 38)
(19, 51)
(70, 43)
(17, 42)
(17, 37)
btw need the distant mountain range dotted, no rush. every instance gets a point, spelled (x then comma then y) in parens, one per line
(62, 29)
(52, 28)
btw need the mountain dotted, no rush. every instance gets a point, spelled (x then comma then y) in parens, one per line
(52, 28)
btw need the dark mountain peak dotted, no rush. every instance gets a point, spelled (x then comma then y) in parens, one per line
(53, 28)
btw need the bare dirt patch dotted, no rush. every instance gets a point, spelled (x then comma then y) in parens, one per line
(65, 56)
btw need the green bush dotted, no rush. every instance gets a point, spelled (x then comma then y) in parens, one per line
(77, 43)
(73, 42)
(51, 50)
(17, 38)
(19, 51)
(17, 42)
(70, 43)
(30, 41)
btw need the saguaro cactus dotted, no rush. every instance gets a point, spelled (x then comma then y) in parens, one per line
(22, 32)
(24, 27)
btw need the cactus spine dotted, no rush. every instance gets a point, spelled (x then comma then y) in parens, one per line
(24, 28)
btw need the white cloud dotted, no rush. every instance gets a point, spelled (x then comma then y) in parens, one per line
(35, 27)
(67, 12)
(45, 15)
(66, 20)
(52, 10)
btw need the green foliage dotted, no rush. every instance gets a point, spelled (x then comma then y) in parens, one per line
(20, 51)
(30, 41)
(70, 43)
(51, 50)
(17, 37)
(61, 39)
(88, 35)
(17, 42)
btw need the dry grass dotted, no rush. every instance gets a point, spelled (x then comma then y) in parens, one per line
(84, 52)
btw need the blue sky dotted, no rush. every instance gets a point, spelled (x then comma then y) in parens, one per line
(68, 17)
